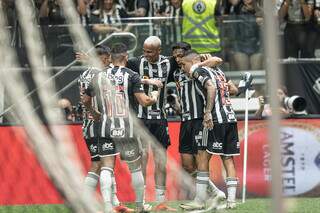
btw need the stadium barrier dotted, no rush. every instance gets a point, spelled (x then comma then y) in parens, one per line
(23, 181)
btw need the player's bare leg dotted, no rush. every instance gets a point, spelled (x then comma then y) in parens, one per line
(231, 180)
(188, 163)
(160, 162)
(145, 147)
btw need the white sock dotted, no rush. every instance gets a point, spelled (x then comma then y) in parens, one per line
(91, 181)
(138, 185)
(160, 193)
(105, 186)
(231, 188)
(115, 201)
(201, 186)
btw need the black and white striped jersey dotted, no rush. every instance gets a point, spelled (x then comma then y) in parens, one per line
(222, 111)
(89, 127)
(192, 103)
(161, 71)
(116, 99)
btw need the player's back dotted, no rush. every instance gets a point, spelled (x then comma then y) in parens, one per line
(119, 99)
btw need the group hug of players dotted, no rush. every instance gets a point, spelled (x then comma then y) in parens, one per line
(128, 90)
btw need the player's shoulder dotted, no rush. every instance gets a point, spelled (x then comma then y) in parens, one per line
(164, 58)
(129, 71)
(135, 59)
(201, 71)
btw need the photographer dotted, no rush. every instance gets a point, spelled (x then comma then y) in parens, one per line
(172, 107)
(293, 105)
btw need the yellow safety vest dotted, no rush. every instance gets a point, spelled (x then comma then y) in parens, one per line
(199, 25)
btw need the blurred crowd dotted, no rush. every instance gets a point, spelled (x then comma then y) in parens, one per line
(239, 25)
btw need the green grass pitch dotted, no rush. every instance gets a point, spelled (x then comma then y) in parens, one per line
(293, 205)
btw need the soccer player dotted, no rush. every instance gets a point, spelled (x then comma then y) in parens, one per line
(116, 90)
(220, 128)
(154, 69)
(90, 128)
(191, 109)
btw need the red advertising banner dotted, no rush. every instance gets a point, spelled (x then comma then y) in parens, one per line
(23, 181)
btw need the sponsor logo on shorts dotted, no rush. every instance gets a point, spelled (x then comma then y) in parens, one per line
(217, 145)
(238, 145)
(93, 148)
(198, 136)
(107, 146)
(129, 153)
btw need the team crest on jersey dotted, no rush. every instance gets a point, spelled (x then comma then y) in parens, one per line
(199, 7)
(195, 74)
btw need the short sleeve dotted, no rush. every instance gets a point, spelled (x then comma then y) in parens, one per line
(137, 86)
(90, 89)
(201, 75)
(133, 64)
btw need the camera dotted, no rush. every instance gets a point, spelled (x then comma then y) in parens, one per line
(171, 97)
(295, 103)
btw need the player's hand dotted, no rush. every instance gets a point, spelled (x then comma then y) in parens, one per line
(154, 95)
(207, 120)
(155, 82)
(204, 57)
(81, 57)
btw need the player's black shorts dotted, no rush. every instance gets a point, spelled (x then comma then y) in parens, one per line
(190, 138)
(159, 129)
(92, 144)
(129, 149)
(222, 139)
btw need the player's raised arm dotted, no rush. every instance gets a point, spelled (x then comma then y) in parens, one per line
(210, 61)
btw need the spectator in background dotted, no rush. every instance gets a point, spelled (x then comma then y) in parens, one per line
(314, 35)
(58, 40)
(8, 7)
(199, 27)
(247, 46)
(109, 18)
(138, 9)
(172, 27)
(298, 14)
